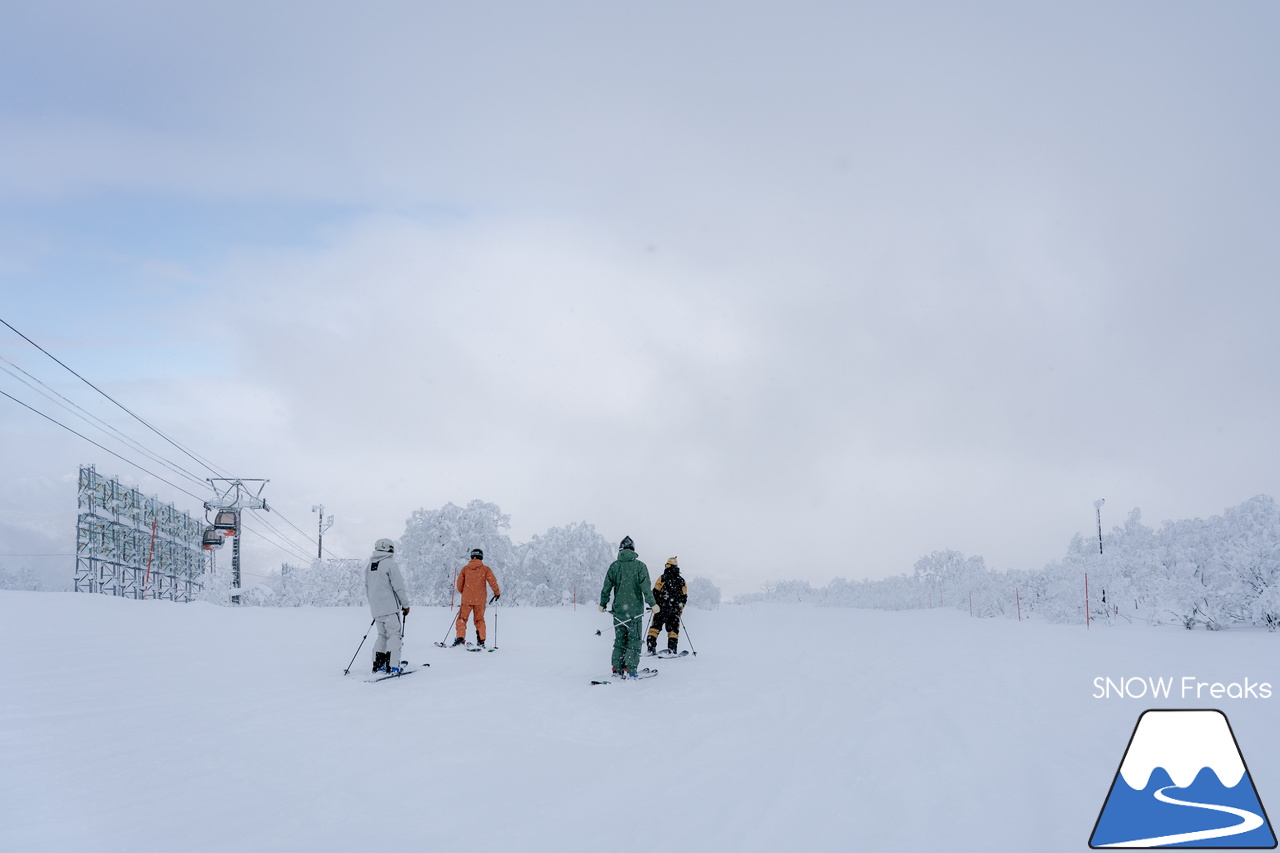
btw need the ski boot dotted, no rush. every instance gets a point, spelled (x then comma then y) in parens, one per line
(480, 644)
(381, 660)
(458, 641)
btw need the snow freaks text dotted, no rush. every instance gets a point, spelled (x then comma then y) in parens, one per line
(1186, 687)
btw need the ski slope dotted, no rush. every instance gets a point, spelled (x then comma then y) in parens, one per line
(152, 726)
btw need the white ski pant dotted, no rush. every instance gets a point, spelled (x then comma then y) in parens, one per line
(390, 634)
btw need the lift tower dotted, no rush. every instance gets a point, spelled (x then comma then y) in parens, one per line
(234, 496)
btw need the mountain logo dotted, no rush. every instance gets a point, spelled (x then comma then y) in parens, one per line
(1183, 783)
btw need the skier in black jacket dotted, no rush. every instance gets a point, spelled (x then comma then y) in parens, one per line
(671, 595)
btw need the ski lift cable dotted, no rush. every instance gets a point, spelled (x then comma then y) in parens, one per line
(102, 425)
(285, 537)
(189, 453)
(288, 547)
(99, 446)
(195, 478)
(203, 462)
(333, 556)
(295, 550)
(72, 554)
(305, 535)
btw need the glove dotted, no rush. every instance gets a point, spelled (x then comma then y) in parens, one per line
(601, 608)
(406, 611)
(495, 598)
(655, 609)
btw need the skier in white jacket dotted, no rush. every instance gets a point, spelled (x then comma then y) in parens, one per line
(388, 601)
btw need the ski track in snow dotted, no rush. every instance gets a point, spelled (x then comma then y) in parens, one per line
(1248, 822)
(150, 727)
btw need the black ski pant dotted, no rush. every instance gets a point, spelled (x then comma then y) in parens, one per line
(669, 619)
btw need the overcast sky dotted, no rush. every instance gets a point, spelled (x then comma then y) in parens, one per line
(789, 290)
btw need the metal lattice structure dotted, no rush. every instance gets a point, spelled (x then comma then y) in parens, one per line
(132, 545)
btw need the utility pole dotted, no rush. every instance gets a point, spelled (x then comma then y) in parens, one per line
(236, 497)
(1097, 507)
(322, 527)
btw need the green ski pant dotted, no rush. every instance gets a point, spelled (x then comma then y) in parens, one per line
(626, 643)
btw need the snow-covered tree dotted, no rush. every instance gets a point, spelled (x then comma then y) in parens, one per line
(324, 583)
(437, 543)
(252, 592)
(24, 578)
(562, 563)
(1217, 572)
(703, 594)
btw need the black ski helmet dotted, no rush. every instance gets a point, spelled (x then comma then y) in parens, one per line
(477, 554)
(627, 544)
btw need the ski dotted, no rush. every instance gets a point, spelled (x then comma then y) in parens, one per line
(471, 647)
(643, 673)
(392, 675)
(665, 655)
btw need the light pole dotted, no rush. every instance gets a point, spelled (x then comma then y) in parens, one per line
(1097, 507)
(322, 526)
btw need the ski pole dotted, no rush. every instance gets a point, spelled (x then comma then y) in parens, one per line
(451, 624)
(404, 621)
(359, 647)
(626, 623)
(618, 623)
(686, 635)
(495, 622)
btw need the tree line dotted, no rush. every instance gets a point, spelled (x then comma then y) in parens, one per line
(552, 569)
(1219, 572)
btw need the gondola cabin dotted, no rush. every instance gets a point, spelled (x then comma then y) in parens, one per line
(212, 539)
(225, 521)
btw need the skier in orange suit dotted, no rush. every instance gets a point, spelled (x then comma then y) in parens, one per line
(472, 580)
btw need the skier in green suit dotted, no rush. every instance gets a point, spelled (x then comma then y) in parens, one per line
(628, 582)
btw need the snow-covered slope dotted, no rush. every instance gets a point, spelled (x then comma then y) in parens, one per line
(151, 726)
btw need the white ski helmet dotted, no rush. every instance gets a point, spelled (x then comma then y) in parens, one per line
(385, 545)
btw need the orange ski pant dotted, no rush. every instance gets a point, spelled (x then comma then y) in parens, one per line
(475, 610)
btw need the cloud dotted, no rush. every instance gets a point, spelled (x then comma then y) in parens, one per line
(750, 283)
